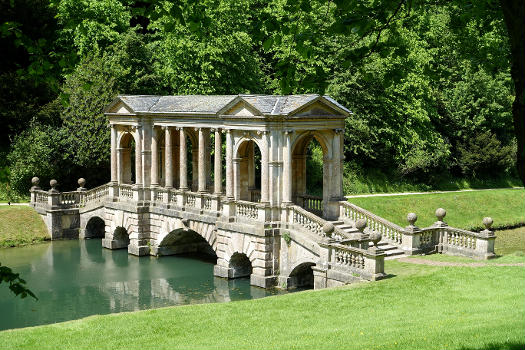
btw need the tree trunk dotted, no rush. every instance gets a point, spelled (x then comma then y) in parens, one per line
(514, 14)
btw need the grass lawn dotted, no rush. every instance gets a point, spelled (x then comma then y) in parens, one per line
(423, 307)
(464, 209)
(20, 225)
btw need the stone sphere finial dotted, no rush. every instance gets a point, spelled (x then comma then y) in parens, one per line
(440, 213)
(375, 237)
(53, 183)
(328, 228)
(81, 182)
(487, 221)
(360, 224)
(411, 218)
(35, 181)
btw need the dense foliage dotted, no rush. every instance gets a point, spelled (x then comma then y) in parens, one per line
(431, 95)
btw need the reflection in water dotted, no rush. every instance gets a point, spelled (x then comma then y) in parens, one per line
(74, 279)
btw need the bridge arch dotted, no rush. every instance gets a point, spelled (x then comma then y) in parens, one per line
(185, 236)
(301, 276)
(95, 228)
(240, 265)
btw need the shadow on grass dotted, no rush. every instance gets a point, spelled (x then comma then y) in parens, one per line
(499, 346)
(388, 276)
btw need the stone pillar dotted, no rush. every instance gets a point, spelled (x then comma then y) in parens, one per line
(138, 156)
(287, 168)
(183, 161)
(202, 161)
(217, 187)
(237, 177)
(114, 160)
(154, 158)
(168, 158)
(147, 132)
(264, 167)
(336, 183)
(229, 164)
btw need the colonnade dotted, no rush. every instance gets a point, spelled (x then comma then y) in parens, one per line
(168, 151)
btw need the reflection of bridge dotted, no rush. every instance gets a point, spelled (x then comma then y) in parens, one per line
(165, 197)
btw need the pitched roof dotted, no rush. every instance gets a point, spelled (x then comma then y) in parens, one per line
(213, 104)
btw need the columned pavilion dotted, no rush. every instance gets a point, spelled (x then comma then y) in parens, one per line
(176, 142)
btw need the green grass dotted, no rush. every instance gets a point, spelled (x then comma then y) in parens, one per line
(20, 225)
(464, 209)
(423, 307)
(357, 180)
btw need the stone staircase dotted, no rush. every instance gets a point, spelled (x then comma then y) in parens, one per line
(391, 251)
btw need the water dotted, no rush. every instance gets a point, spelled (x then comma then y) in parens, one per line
(77, 278)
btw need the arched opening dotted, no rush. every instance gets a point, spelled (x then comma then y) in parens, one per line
(240, 265)
(302, 276)
(126, 152)
(182, 241)
(248, 181)
(309, 188)
(121, 236)
(95, 228)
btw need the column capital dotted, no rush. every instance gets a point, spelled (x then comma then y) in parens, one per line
(338, 131)
(288, 132)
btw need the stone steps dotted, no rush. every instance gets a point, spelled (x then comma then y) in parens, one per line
(391, 251)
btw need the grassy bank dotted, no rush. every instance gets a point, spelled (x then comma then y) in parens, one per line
(359, 181)
(20, 225)
(424, 307)
(464, 209)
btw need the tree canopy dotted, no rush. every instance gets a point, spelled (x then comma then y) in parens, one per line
(429, 85)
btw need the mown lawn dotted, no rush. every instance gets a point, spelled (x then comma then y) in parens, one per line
(422, 307)
(464, 209)
(20, 225)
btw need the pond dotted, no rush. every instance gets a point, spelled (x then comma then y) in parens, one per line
(78, 278)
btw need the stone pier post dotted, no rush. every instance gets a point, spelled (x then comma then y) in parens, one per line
(168, 158)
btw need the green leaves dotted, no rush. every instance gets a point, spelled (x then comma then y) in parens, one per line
(16, 284)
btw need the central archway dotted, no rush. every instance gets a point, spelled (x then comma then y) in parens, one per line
(126, 158)
(247, 164)
(310, 188)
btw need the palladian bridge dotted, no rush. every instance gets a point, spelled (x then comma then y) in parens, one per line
(226, 176)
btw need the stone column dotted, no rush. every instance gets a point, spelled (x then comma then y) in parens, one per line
(336, 183)
(183, 161)
(264, 167)
(138, 155)
(168, 158)
(287, 168)
(154, 158)
(237, 177)
(229, 164)
(217, 187)
(114, 161)
(202, 162)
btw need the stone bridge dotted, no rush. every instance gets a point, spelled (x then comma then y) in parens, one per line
(168, 199)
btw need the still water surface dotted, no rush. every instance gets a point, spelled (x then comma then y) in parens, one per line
(78, 278)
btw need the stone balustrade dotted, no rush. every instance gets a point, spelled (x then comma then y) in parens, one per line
(390, 232)
(313, 204)
(437, 238)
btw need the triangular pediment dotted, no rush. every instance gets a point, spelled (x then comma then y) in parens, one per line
(315, 109)
(240, 108)
(117, 106)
